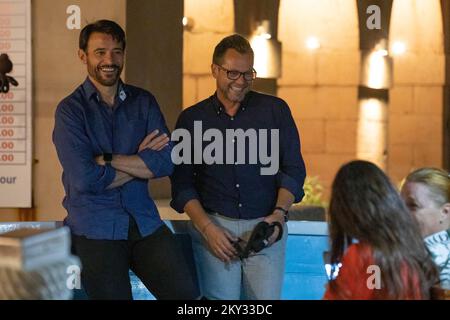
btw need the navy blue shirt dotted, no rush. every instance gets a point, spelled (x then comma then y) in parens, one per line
(85, 127)
(234, 189)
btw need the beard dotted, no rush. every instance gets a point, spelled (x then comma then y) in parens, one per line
(106, 75)
(235, 94)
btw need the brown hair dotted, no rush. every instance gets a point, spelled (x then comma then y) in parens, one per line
(365, 206)
(236, 42)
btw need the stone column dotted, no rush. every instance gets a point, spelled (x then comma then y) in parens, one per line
(154, 60)
(375, 80)
(247, 14)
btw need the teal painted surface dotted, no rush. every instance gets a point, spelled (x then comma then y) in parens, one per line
(138, 289)
(305, 276)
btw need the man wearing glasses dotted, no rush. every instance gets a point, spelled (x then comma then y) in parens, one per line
(225, 201)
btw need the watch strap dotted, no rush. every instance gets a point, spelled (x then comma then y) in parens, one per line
(107, 157)
(285, 212)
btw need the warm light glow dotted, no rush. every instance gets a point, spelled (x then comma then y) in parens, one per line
(267, 60)
(371, 109)
(377, 69)
(263, 30)
(266, 36)
(312, 43)
(372, 128)
(382, 52)
(260, 46)
(398, 48)
(188, 23)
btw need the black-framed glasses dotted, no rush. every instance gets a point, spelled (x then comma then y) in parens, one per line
(234, 74)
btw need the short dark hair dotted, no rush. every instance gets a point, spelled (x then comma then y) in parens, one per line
(236, 42)
(102, 26)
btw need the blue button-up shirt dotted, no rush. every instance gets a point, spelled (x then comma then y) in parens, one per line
(240, 191)
(85, 127)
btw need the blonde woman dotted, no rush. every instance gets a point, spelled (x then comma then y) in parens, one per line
(426, 192)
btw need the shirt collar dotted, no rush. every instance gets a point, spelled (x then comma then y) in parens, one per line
(91, 91)
(438, 237)
(219, 108)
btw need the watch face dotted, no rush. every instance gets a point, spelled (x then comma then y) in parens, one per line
(107, 157)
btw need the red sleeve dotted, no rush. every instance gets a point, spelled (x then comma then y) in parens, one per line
(351, 282)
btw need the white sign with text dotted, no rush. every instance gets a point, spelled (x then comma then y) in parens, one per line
(15, 106)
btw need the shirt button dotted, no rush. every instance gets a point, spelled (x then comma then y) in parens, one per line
(232, 118)
(236, 163)
(243, 108)
(237, 186)
(234, 140)
(240, 205)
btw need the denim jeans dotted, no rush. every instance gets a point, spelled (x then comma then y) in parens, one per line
(259, 277)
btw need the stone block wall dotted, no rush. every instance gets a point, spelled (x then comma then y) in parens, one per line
(212, 21)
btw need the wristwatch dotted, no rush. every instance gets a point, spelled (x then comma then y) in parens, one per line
(107, 157)
(285, 213)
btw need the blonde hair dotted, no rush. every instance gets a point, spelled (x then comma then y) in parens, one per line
(437, 180)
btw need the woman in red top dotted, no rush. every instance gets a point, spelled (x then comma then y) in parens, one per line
(375, 239)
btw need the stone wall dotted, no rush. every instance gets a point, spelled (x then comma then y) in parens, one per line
(213, 20)
(416, 106)
(321, 86)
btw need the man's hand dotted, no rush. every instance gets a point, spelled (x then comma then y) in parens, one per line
(154, 141)
(277, 216)
(220, 242)
(99, 160)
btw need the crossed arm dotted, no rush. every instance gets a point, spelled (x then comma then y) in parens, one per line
(129, 167)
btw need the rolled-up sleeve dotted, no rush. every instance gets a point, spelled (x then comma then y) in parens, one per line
(183, 177)
(292, 173)
(76, 154)
(181, 195)
(158, 162)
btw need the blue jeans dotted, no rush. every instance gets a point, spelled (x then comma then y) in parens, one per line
(259, 277)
